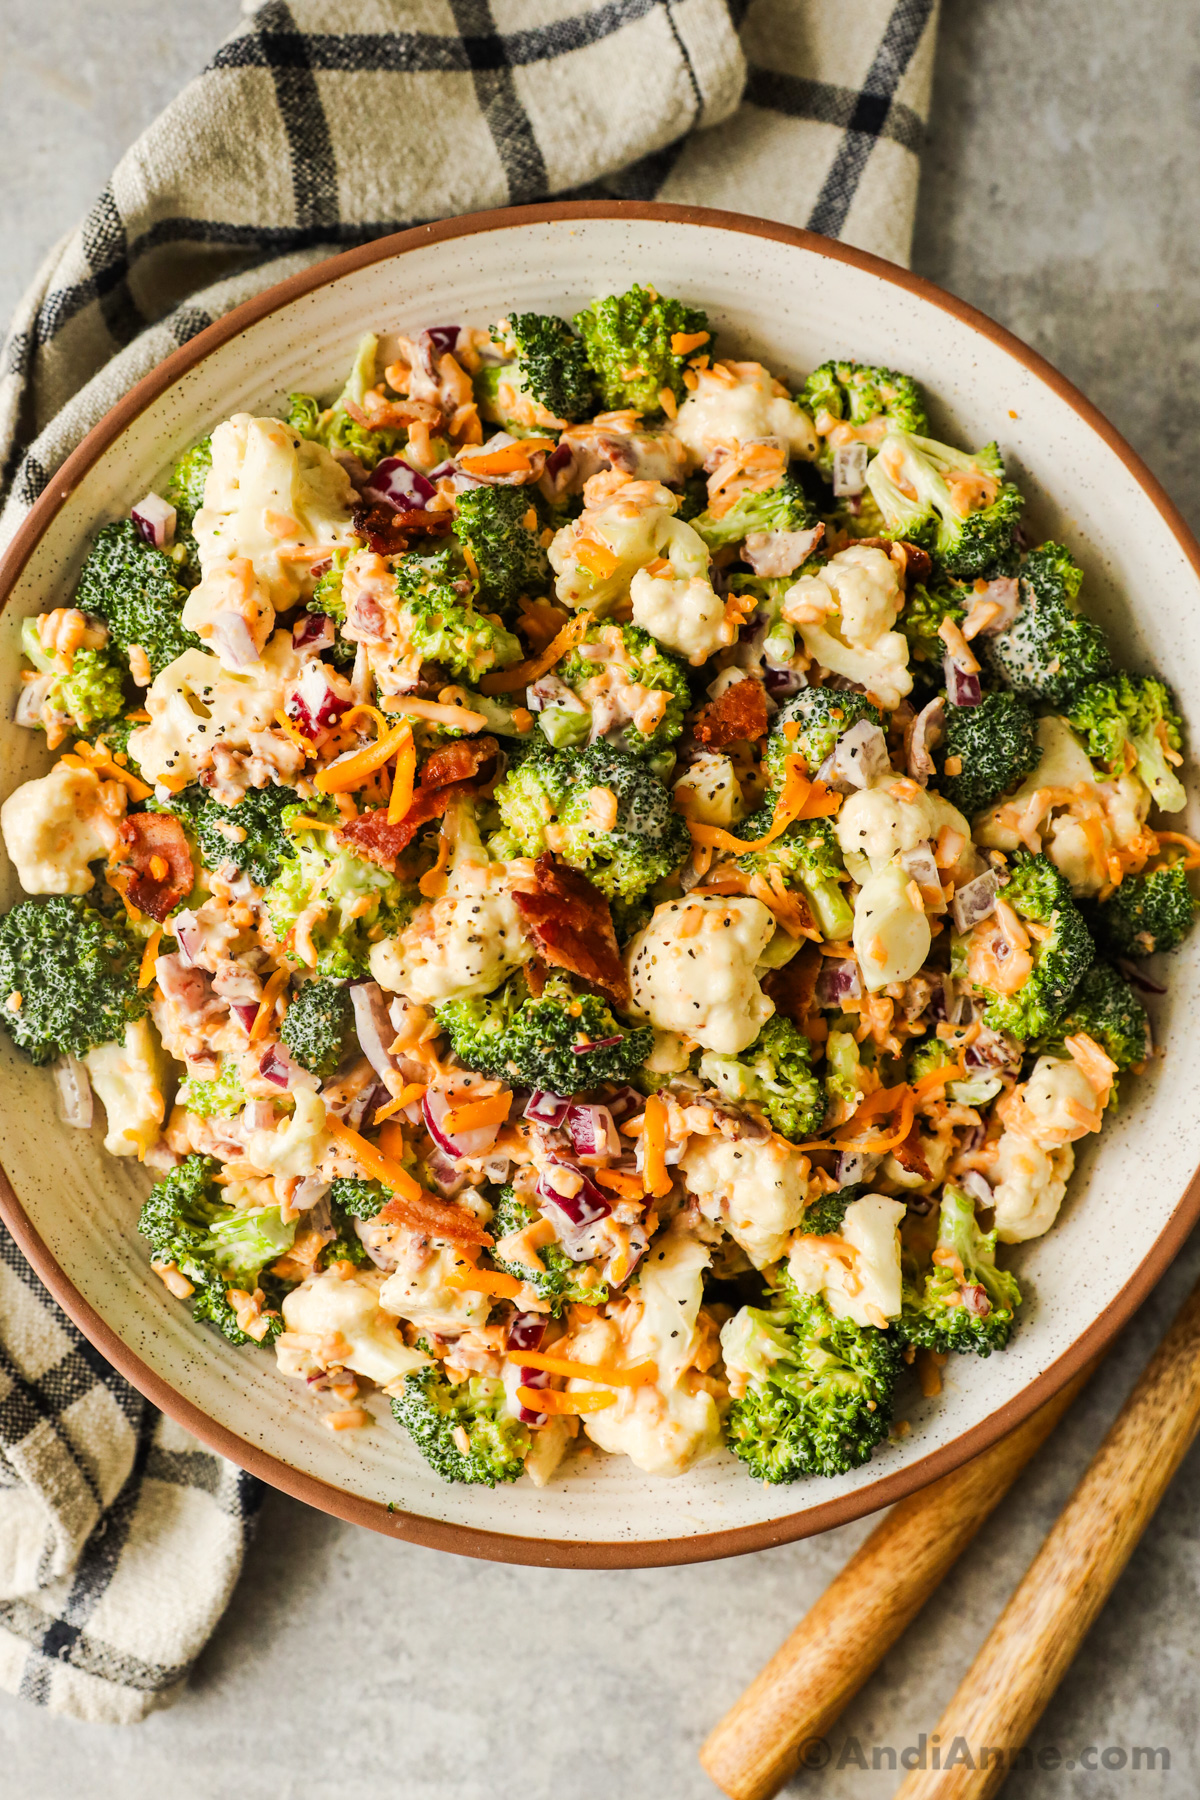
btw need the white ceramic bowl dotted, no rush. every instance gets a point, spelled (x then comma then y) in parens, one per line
(793, 300)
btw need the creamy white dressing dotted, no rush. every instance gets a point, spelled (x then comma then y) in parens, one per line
(692, 970)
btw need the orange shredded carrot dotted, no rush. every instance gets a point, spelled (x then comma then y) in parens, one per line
(266, 1006)
(376, 1164)
(1192, 859)
(475, 1114)
(101, 761)
(898, 1099)
(507, 681)
(799, 798)
(936, 1080)
(595, 557)
(149, 957)
(655, 1174)
(637, 1375)
(549, 1400)
(354, 770)
(486, 1281)
(433, 882)
(405, 776)
(391, 1139)
(628, 1186)
(684, 342)
(411, 1091)
(291, 730)
(509, 458)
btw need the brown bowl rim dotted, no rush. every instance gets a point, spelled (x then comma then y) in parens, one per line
(466, 1540)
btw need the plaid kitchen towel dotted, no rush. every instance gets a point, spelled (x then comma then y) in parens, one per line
(320, 125)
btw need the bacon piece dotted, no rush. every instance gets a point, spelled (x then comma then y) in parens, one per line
(161, 863)
(918, 564)
(450, 772)
(910, 1156)
(738, 715)
(458, 761)
(794, 987)
(571, 924)
(433, 1218)
(387, 531)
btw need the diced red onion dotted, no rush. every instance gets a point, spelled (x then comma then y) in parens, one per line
(975, 901)
(525, 1331)
(373, 1027)
(1005, 590)
(314, 701)
(547, 1109)
(30, 701)
(559, 458)
(926, 732)
(231, 634)
(496, 1169)
(273, 1067)
(258, 1115)
(440, 339)
(962, 685)
(975, 1299)
(398, 485)
(977, 1186)
(311, 1191)
(321, 568)
(73, 1090)
(624, 1101)
(245, 1012)
(313, 632)
(155, 520)
(849, 470)
(586, 1207)
(838, 981)
(444, 1173)
(592, 1130)
(189, 936)
(516, 1376)
(776, 554)
(854, 1166)
(1138, 978)
(461, 1145)
(781, 684)
(946, 1003)
(861, 755)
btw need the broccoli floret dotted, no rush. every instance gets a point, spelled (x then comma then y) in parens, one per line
(777, 646)
(1139, 711)
(221, 1098)
(809, 725)
(546, 362)
(631, 657)
(544, 1042)
(318, 1027)
(807, 856)
(559, 1280)
(333, 426)
(68, 977)
(826, 1216)
(629, 345)
(934, 1053)
(775, 1074)
(957, 505)
(358, 902)
(185, 489)
(441, 622)
(996, 745)
(570, 793)
(1147, 913)
(843, 1067)
(818, 1394)
(217, 1247)
(1040, 892)
(134, 588)
(965, 1302)
(436, 1414)
(925, 606)
(856, 394)
(1107, 1009)
(784, 507)
(87, 686)
(1050, 650)
(358, 1199)
(501, 529)
(250, 835)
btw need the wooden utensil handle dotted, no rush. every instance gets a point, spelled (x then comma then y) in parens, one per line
(846, 1635)
(1032, 1644)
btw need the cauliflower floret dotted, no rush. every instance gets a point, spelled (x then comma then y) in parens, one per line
(625, 524)
(663, 1426)
(687, 615)
(858, 1271)
(692, 970)
(296, 1145)
(895, 815)
(129, 1078)
(55, 826)
(846, 612)
(737, 403)
(1062, 1100)
(708, 791)
(196, 705)
(1031, 1186)
(417, 1289)
(754, 1187)
(344, 1306)
(462, 944)
(891, 932)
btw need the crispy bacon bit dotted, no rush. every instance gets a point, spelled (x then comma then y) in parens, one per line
(570, 922)
(387, 531)
(452, 771)
(735, 716)
(458, 761)
(433, 1218)
(794, 987)
(910, 1156)
(918, 564)
(161, 863)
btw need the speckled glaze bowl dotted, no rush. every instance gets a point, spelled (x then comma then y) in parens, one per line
(793, 300)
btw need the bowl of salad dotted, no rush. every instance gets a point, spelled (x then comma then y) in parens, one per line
(594, 807)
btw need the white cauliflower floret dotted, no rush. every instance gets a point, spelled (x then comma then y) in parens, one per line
(685, 614)
(692, 970)
(858, 1271)
(1031, 1186)
(754, 1187)
(344, 1307)
(736, 403)
(462, 944)
(417, 1289)
(846, 612)
(895, 815)
(196, 706)
(1062, 1101)
(55, 826)
(708, 791)
(666, 1425)
(625, 524)
(891, 932)
(296, 1145)
(129, 1078)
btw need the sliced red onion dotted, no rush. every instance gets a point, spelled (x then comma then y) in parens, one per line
(975, 901)
(781, 684)
(962, 685)
(373, 1027)
(1005, 590)
(946, 1004)
(583, 1208)
(977, 1186)
(463, 1145)
(993, 1050)
(623, 1102)
(525, 1331)
(927, 730)
(155, 520)
(921, 864)
(189, 935)
(398, 485)
(444, 1173)
(593, 1131)
(73, 1090)
(849, 470)
(258, 1115)
(246, 1013)
(975, 1299)
(547, 1109)
(861, 755)
(560, 458)
(311, 1191)
(314, 701)
(231, 634)
(516, 1376)
(854, 1166)
(313, 632)
(838, 981)
(439, 339)
(273, 1067)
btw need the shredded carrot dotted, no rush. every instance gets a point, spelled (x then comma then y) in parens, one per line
(509, 458)
(475, 1114)
(433, 882)
(937, 1080)
(507, 681)
(1192, 859)
(266, 1006)
(799, 798)
(411, 1091)
(654, 1148)
(595, 557)
(486, 1281)
(900, 1100)
(684, 342)
(353, 770)
(291, 730)
(405, 777)
(628, 1186)
(101, 761)
(149, 957)
(391, 1139)
(412, 1205)
(549, 1400)
(637, 1375)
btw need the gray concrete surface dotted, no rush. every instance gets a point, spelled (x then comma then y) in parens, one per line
(1061, 194)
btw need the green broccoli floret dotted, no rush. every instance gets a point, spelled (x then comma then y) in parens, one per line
(784, 507)
(843, 1066)
(808, 856)
(1147, 913)
(441, 622)
(965, 1302)
(612, 655)
(546, 361)
(778, 643)
(1050, 650)
(501, 528)
(559, 1280)
(135, 590)
(323, 873)
(318, 1027)
(775, 1074)
(436, 1414)
(925, 606)
(818, 1390)
(996, 744)
(217, 1247)
(250, 835)
(559, 789)
(89, 689)
(544, 1042)
(934, 1053)
(957, 505)
(185, 492)
(221, 1098)
(333, 426)
(826, 1216)
(1105, 1006)
(68, 977)
(1037, 890)
(356, 1198)
(1137, 710)
(820, 715)
(628, 339)
(856, 394)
